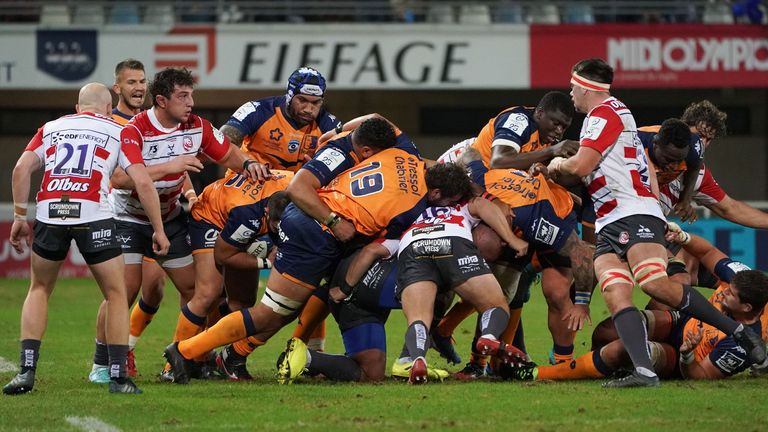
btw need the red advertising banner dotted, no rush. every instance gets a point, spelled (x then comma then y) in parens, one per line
(653, 56)
(15, 265)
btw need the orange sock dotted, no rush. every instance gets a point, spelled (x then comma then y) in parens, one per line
(458, 313)
(514, 322)
(187, 325)
(229, 329)
(141, 316)
(245, 346)
(312, 320)
(582, 367)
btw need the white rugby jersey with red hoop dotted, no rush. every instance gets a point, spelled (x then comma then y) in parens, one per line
(79, 152)
(434, 223)
(158, 145)
(620, 185)
(453, 153)
(706, 191)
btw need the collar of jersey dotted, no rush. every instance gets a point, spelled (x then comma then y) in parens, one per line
(156, 123)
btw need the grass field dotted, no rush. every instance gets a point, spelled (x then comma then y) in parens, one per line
(62, 390)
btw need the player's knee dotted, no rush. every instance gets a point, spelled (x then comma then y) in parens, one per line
(651, 275)
(280, 304)
(558, 299)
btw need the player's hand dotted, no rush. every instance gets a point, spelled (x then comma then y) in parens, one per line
(520, 245)
(160, 244)
(554, 165)
(692, 340)
(685, 211)
(186, 163)
(538, 168)
(676, 234)
(344, 230)
(566, 148)
(577, 316)
(256, 171)
(20, 234)
(337, 295)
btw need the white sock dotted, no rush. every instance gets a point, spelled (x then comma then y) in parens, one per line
(645, 372)
(132, 340)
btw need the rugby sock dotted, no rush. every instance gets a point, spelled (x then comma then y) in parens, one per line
(519, 340)
(562, 353)
(417, 339)
(101, 354)
(492, 322)
(697, 306)
(458, 313)
(232, 327)
(118, 355)
(335, 367)
(582, 367)
(245, 346)
(631, 329)
(508, 335)
(30, 352)
(312, 321)
(188, 324)
(141, 316)
(317, 339)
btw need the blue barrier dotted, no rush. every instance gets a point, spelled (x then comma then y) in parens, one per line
(747, 245)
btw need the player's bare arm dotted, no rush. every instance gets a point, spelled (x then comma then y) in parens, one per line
(359, 266)
(227, 255)
(120, 179)
(683, 208)
(233, 134)
(236, 160)
(740, 213)
(25, 166)
(584, 162)
(497, 220)
(503, 156)
(151, 203)
(303, 192)
(691, 368)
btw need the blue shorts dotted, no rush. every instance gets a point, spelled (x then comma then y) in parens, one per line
(306, 253)
(365, 337)
(202, 235)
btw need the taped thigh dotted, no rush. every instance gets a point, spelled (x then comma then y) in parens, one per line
(649, 270)
(615, 276)
(280, 304)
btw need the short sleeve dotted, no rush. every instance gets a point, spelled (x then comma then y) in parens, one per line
(512, 129)
(130, 147)
(331, 160)
(243, 225)
(603, 129)
(215, 145)
(35, 145)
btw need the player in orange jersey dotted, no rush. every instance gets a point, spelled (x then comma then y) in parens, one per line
(379, 196)
(680, 345)
(519, 136)
(283, 131)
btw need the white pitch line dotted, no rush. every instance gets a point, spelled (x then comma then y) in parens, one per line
(91, 424)
(6, 366)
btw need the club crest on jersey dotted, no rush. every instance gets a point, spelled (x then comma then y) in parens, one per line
(624, 237)
(293, 146)
(275, 134)
(187, 143)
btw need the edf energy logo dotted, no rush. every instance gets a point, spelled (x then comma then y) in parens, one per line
(67, 55)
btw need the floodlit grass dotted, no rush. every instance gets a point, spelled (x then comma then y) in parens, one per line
(62, 388)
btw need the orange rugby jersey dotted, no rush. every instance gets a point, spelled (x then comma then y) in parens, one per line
(121, 117)
(235, 190)
(270, 136)
(381, 195)
(515, 125)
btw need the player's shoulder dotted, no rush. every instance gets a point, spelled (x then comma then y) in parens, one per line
(195, 122)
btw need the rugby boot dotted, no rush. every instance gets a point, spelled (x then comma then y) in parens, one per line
(525, 371)
(445, 346)
(232, 365)
(471, 371)
(506, 352)
(746, 338)
(166, 375)
(293, 362)
(418, 373)
(402, 369)
(635, 379)
(130, 365)
(179, 365)
(99, 375)
(126, 387)
(21, 383)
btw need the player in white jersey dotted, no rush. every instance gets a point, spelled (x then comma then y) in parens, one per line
(171, 139)
(630, 225)
(437, 254)
(79, 153)
(454, 153)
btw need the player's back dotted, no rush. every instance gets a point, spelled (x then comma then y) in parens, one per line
(386, 188)
(234, 190)
(79, 153)
(514, 126)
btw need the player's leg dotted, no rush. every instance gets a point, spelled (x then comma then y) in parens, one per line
(152, 290)
(418, 301)
(648, 261)
(310, 327)
(34, 316)
(556, 287)
(207, 290)
(241, 288)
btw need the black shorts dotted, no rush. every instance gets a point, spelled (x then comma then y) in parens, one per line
(136, 238)
(95, 240)
(619, 236)
(446, 261)
(202, 235)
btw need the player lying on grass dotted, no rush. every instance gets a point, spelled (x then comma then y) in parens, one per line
(680, 346)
